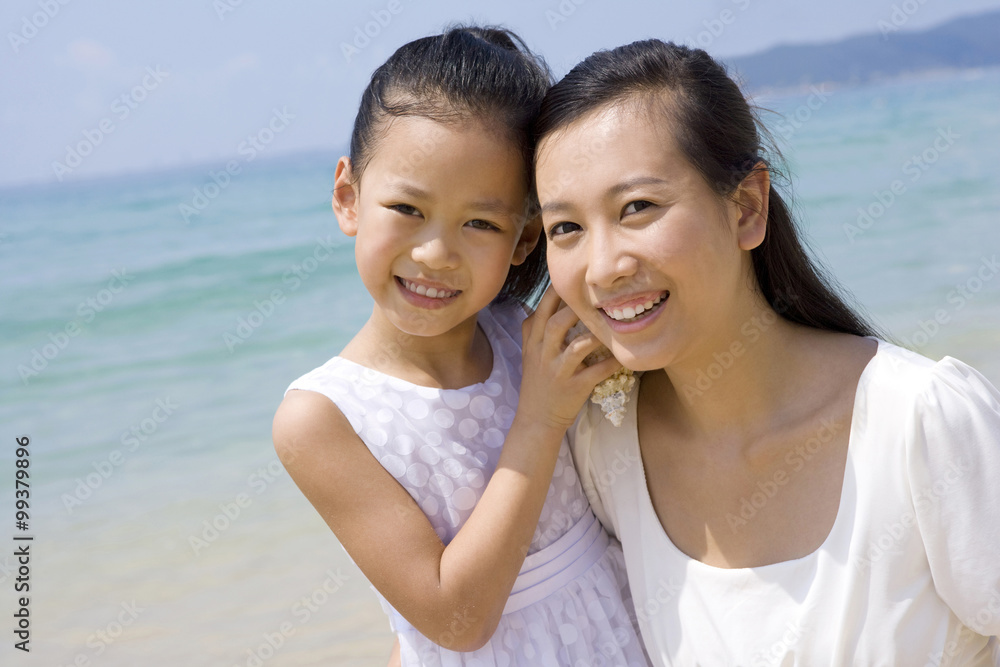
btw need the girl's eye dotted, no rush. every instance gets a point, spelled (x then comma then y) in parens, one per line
(405, 209)
(561, 228)
(636, 206)
(482, 224)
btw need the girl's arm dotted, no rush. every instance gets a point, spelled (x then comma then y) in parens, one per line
(394, 657)
(452, 594)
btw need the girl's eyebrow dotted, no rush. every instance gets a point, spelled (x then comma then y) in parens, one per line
(614, 190)
(489, 205)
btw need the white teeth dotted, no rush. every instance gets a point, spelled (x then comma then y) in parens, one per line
(430, 292)
(630, 312)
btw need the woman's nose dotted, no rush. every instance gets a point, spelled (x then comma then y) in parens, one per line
(609, 260)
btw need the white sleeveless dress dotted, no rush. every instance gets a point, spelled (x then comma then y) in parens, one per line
(571, 603)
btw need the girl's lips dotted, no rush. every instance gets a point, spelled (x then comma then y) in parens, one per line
(424, 296)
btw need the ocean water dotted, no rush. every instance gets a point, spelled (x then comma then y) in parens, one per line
(144, 355)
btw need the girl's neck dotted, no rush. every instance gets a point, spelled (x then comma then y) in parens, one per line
(457, 358)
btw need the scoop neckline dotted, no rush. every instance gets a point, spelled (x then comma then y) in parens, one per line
(647, 500)
(489, 326)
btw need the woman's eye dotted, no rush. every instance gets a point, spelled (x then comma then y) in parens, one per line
(561, 228)
(405, 209)
(636, 206)
(482, 224)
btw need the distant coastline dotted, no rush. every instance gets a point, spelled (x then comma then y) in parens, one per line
(962, 44)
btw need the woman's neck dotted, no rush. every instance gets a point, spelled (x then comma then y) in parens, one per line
(460, 357)
(742, 382)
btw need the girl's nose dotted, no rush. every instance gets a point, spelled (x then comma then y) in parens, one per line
(435, 253)
(609, 260)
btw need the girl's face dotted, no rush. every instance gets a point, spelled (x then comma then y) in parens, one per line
(438, 215)
(642, 249)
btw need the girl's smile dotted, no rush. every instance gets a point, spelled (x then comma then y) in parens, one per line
(438, 215)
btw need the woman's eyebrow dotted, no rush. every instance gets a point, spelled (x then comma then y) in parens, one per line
(615, 190)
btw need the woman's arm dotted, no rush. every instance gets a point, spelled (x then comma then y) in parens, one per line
(453, 594)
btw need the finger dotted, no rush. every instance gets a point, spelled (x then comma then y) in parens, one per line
(558, 326)
(582, 346)
(538, 320)
(597, 373)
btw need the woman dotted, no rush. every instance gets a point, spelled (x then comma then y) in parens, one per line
(788, 489)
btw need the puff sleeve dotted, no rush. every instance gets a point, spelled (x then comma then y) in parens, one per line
(953, 450)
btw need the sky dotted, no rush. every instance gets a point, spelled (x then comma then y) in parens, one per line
(98, 88)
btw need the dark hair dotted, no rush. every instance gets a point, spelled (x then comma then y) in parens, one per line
(485, 73)
(720, 134)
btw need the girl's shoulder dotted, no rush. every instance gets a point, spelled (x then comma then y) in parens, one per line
(506, 318)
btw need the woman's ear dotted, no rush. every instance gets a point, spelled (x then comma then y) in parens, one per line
(527, 241)
(345, 197)
(752, 198)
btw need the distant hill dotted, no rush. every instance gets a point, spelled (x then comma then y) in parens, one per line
(969, 41)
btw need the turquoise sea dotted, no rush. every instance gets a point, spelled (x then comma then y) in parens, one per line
(144, 355)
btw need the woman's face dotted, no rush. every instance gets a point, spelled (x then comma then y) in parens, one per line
(639, 245)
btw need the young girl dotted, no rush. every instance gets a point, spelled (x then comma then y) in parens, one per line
(796, 491)
(450, 490)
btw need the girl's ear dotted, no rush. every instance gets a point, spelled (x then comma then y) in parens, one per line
(527, 241)
(751, 196)
(345, 197)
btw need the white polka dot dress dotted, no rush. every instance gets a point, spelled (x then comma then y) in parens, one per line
(442, 446)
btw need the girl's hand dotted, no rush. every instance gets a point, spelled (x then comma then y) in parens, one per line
(556, 383)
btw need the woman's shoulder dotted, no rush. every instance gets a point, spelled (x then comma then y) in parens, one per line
(925, 383)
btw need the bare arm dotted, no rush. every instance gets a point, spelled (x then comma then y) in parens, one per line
(454, 595)
(394, 657)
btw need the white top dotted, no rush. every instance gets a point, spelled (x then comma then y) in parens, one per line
(909, 574)
(442, 446)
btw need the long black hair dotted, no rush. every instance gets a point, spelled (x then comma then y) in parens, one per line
(720, 134)
(467, 72)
